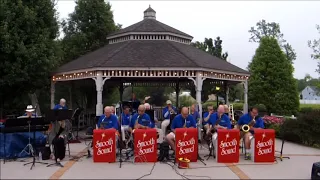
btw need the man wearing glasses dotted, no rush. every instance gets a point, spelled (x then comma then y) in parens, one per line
(254, 122)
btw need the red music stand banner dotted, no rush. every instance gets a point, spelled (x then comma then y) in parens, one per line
(104, 145)
(187, 143)
(145, 145)
(227, 146)
(264, 144)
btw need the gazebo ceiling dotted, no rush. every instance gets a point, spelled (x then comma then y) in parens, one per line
(149, 48)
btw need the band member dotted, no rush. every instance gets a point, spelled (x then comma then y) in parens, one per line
(182, 120)
(125, 120)
(219, 120)
(206, 118)
(135, 102)
(195, 114)
(61, 105)
(107, 120)
(166, 112)
(141, 120)
(254, 122)
(58, 134)
(148, 107)
(29, 112)
(226, 110)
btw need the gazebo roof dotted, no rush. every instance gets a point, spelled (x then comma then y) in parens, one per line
(148, 54)
(149, 45)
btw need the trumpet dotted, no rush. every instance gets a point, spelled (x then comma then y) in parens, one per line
(233, 121)
(246, 128)
(172, 111)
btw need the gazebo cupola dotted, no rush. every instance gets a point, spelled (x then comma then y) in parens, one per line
(150, 29)
(149, 13)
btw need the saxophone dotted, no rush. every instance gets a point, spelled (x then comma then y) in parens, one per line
(246, 128)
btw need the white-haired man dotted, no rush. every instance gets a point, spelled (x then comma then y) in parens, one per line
(141, 120)
(107, 120)
(61, 105)
(166, 112)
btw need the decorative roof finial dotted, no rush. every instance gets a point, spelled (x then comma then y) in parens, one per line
(149, 13)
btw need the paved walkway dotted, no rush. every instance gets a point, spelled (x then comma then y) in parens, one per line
(297, 167)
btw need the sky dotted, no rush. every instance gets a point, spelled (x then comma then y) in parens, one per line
(230, 20)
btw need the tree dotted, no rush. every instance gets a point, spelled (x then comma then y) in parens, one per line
(28, 50)
(271, 82)
(315, 46)
(87, 27)
(213, 47)
(272, 29)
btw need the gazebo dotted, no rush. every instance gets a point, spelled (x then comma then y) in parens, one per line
(150, 51)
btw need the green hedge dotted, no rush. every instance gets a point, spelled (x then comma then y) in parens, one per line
(303, 130)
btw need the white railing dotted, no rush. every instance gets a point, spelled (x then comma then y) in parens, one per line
(309, 101)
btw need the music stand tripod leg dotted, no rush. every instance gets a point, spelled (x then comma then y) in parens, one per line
(281, 151)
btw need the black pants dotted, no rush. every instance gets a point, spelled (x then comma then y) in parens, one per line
(59, 148)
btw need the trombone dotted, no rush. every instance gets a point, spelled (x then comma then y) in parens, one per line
(246, 128)
(233, 121)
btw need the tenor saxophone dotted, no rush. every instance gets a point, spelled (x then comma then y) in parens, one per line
(246, 128)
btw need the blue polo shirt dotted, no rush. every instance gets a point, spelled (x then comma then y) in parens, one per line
(109, 122)
(225, 120)
(166, 112)
(125, 119)
(58, 106)
(143, 120)
(205, 115)
(178, 122)
(196, 115)
(246, 119)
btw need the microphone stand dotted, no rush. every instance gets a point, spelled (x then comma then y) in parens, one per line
(120, 135)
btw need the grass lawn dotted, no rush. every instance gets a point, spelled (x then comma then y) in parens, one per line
(313, 106)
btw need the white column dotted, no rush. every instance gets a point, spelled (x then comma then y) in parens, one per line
(245, 105)
(227, 95)
(198, 82)
(52, 91)
(99, 80)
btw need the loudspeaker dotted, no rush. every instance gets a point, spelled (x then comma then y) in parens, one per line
(315, 173)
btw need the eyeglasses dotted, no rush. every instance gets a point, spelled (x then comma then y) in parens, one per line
(140, 110)
(210, 109)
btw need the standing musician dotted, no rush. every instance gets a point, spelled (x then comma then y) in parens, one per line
(183, 120)
(166, 112)
(58, 134)
(219, 120)
(195, 114)
(227, 111)
(148, 107)
(206, 118)
(61, 105)
(135, 102)
(125, 119)
(254, 122)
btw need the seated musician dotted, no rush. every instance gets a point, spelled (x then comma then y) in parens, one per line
(125, 120)
(141, 120)
(135, 102)
(206, 118)
(195, 114)
(58, 134)
(183, 120)
(29, 112)
(253, 122)
(61, 105)
(219, 120)
(148, 107)
(166, 112)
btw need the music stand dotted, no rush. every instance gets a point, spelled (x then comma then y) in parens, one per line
(54, 116)
(282, 134)
(40, 121)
